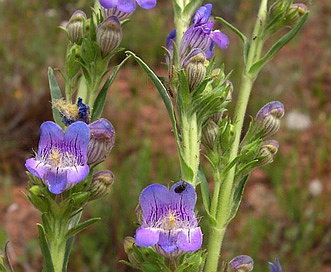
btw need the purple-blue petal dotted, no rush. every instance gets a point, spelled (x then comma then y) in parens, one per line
(76, 139)
(56, 180)
(126, 5)
(189, 239)
(147, 4)
(184, 201)
(108, 3)
(145, 237)
(51, 134)
(35, 167)
(153, 198)
(202, 15)
(168, 241)
(220, 39)
(275, 268)
(78, 173)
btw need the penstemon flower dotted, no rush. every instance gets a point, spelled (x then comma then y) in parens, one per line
(168, 218)
(275, 267)
(127, 5)
(61, 161)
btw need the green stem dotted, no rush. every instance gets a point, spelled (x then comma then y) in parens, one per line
(224, 202)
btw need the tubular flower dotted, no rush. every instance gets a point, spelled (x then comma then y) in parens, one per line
(127, 5)
(61, 161)
(200, 35)
(168, 219)
(275, 268)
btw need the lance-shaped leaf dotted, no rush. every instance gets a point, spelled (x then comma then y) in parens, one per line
(48, 263)
(100, 101)
(256, 67)
(55, 95)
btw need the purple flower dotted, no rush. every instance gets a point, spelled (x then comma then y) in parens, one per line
(127, 5)
(201, 34)
(168, 218)
(61, 161)
(241, 263)
(275, 268)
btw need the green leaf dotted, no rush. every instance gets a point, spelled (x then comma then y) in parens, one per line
(48, 263)
(237, 197)
(55, 95)
(204, 190)
(163, 92)
(75, 230)
(100, 101)
(256, 67)
(233, 29)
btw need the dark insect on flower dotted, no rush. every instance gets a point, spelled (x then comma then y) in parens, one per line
(181, 187)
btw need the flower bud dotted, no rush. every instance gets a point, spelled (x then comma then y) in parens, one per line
(242, 263)
(100, 185)
(75, 26)
(268, 118)
(267, 152)
(209, 133)
(101, 142)
(128, 248)
(109, 35)
(194, 66)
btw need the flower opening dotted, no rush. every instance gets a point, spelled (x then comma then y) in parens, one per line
(61, 160)
(127, 5)
(168, 219)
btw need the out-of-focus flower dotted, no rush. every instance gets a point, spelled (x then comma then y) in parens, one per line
(268, 118)
(275, 267)
(61, 161)
(296, 120)
(201, 34)
(242, 263)
(101, 141)
(127, 5)
(315, 187)
(168, 220)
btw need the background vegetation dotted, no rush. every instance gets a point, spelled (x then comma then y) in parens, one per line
(286, 208)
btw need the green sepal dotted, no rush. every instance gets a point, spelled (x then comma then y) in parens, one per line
(72, 65)
(237, 197)
(89, 51)
(191, 261)
(100, 101)
(47, 259)
(80, 227)
(256, 67)
(55, 95)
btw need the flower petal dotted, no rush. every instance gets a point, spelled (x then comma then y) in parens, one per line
(168, 241)
(220, 39)
(36, 167)
(126, 5)
(189, 239)
(185, 200)
(76, 140)
(202, 15)
(108, 3)
(147, 4)
(153, 199)
(56, 180)
(146, 237)
(51, 134)
(77, 173)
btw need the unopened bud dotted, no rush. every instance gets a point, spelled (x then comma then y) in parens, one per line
(109, 35)
(101, 183)
(75, 26)
(268, 118)
(242, 263)
(209, 133)
(194, 66)
(128, 248)
(101, 142)
(267, 152)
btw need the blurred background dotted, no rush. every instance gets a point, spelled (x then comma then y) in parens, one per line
(285, 211)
